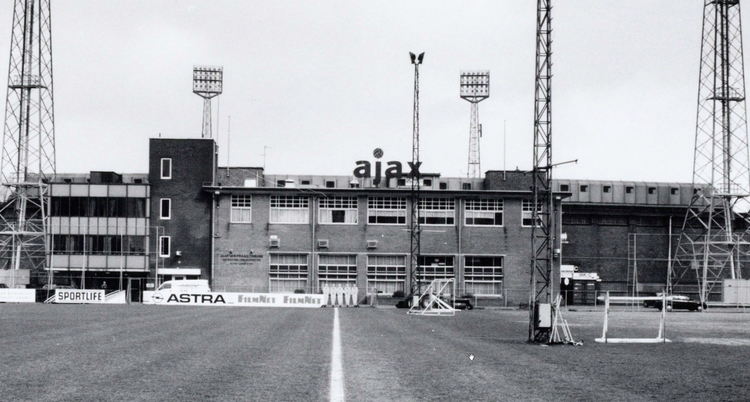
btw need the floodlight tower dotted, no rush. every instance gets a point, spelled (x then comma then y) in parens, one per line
(714, 237)
(475, 87)
(415, 228)
(208, 82)
(542, 233)
(28, 159)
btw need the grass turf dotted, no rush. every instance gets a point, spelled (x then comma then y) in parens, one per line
(72, 352)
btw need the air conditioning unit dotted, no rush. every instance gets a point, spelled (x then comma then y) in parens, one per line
(372, 244)
(323, 243)
(275, 242)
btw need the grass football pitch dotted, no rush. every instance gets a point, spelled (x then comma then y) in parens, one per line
(165, 353)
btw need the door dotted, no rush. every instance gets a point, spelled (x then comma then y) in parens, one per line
(135, 290)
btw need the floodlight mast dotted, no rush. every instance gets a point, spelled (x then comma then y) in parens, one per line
(475, 87)
(542, 233)
(415, 229)
(208, 82)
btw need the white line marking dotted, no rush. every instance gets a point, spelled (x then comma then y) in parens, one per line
(337, 371)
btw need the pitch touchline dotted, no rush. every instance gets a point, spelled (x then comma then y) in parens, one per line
(337, 371)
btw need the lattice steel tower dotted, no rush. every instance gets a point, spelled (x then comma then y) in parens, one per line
(542, 233)
(28, 160)
(208, 82)
(475, 87)
(415, 228)
(714, 238)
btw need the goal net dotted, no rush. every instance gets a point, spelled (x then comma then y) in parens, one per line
(629, 324)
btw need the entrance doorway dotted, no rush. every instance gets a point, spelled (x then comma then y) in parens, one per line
(135, 290)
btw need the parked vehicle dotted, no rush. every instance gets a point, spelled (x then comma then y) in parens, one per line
(185, 286)
(677, 302)
(460, 303)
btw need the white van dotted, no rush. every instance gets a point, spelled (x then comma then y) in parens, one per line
(185, 286)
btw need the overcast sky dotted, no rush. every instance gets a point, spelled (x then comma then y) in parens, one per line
(323, 83)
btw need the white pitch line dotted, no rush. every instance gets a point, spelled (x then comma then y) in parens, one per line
(337, 371)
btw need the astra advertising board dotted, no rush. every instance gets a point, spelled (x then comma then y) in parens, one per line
(233, 299)
(17, 295)
(79, 296)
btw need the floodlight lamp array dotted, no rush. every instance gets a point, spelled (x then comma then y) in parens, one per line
(208, 79)
(475, 84)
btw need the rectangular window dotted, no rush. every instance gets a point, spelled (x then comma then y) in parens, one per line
(166, 168)
(466, 186)
(576, 219)
(289, 209)
(427, 182)
(338, 210)
(431, 268)
(443, 185)
(164, 246)
(280, 183)
(629, 190)
(607, 189)
(437, 211)
(287, 272)
(584, 188)
(484, 212)
(330, 184)
(613, 220)
(483, 276)
(652, 190)
(527, 212)
(304, 182)
(337, 270)
(242, 211)
(674, 190)
(136, 207)
(165, 208)
(386, 273)
(564, 187)
(386, 210)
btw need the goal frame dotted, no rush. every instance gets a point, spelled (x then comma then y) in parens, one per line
(660, 337)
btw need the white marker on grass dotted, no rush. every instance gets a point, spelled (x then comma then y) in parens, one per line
(337, 371)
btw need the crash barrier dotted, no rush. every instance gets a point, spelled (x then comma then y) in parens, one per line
(339, 295)
(163, 298)
(17, 295)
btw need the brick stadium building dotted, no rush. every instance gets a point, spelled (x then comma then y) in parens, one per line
(248, 231)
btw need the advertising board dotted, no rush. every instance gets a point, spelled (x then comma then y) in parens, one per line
(233, 299)
(17, 295)
(79, 296)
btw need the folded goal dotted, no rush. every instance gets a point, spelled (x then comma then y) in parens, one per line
(660, 337)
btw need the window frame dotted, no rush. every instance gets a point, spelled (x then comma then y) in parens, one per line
(161, 209)
(398, 201)
(303, 200)
(396, 275)
(347, 210)
(473, 277)
(336, 273)
(161, 246)
(450, 213)
(168, 176)
(527, 209)
(495, 201)
(232, 207)
(302, 275)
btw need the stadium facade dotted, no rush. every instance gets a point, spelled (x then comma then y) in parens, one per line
(244, 230)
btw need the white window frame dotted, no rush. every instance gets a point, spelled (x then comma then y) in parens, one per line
(274, 276)
(327, 205)
(474, 209)
(161, 246)
(344, 273)
(484, 277)
(168, 176)
(304, 203)
(437, 208)
(161, 209)
(438, 271)
(527, 211)
(390, 206)
(386, 274)
(240, 205)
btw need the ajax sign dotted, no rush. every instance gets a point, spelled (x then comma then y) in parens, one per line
(394, 169)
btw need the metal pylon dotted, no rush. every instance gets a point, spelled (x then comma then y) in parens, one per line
(206, 131)
(714, 238)
(415, 228)
(474, 170)
(542, 232)
(28, 158)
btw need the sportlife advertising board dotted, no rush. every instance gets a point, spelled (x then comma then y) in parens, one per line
(76, 296)
(17, 295)
(233, 299)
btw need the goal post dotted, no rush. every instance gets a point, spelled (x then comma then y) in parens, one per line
(432, 302)
(661, 335)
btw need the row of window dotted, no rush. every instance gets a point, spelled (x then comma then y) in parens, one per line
(98, 207)
(608, 189)
(386, 274)
(99, 244)
(380, 210)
